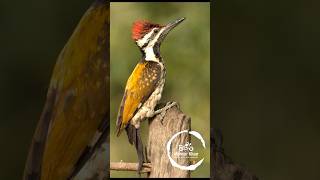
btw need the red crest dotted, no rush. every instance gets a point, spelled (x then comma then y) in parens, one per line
(142, 27)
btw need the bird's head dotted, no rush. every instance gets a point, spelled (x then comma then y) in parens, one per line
(149, 36)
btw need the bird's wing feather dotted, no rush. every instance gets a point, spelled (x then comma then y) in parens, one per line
(141, 83)
(79, 104)
(34, 159)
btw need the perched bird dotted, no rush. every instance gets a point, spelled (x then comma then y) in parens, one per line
(75, 118)
(145, 84)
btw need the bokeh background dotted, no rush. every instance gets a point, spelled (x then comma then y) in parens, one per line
(186, 52)
(265, 85)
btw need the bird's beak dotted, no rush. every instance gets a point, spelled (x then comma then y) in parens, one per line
(168, 28)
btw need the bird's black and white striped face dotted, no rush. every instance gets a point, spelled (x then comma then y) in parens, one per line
(149, 37)
(149, 44)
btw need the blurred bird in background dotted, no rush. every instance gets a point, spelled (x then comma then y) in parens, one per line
(144, 86)
(75, 118)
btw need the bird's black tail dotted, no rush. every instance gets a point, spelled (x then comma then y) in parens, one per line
(135, 139)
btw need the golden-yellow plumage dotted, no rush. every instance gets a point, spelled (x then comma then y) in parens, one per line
(141, 83)
(77, 100)
(133, 93)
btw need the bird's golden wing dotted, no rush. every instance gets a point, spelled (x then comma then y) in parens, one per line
(141, 83)
(77, 105)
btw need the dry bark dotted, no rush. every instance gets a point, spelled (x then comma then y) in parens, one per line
(160, 131)
(122, 166)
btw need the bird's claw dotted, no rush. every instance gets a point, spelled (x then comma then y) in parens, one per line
(162, 112)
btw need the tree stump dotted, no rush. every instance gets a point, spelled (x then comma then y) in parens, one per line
(160, 132)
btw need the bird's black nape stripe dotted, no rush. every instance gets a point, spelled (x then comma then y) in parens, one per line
(141, 49)
(156, 50)
(143, 54)
(145, 44)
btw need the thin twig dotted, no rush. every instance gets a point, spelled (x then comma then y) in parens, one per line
(125, 166)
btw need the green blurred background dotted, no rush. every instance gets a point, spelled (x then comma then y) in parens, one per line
(265, 79)
(265, 85)
(186, 52)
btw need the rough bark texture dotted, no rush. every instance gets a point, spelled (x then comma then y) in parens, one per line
(160, 131)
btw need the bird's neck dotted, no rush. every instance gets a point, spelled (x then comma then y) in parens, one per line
(151, 54)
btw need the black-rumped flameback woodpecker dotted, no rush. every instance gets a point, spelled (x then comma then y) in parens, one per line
(75, 118)
(145, 84)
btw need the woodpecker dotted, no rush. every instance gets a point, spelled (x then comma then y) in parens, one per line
(144, 87)
(75, 118)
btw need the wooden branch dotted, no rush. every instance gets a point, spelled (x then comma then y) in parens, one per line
(125, 166)
(160, 131)
(222, 166)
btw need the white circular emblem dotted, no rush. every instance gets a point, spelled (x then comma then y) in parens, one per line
(173, 162)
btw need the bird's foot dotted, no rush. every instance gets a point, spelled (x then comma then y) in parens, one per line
(162, 112)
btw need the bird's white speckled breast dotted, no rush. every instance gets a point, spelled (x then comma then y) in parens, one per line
(147, 109)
